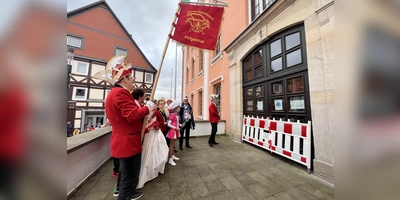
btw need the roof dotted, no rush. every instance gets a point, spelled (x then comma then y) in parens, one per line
(102, 3)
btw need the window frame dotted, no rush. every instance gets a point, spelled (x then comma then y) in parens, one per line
(201, 103)
(74, 90)
(116, 48)
(75, 68)
(145, 77)
(218, 92)
(75, 36)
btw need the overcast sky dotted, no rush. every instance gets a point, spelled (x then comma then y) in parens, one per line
(149, 22)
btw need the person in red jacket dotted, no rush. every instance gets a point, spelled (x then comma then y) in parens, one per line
(214, 118)
(126, 116)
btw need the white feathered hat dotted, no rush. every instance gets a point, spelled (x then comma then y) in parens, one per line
(174, 104)
(213, 96)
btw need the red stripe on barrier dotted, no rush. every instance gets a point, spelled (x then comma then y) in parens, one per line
(244, 122)
(244, 137)
(260, 143)
(304, 131)
(287, 128)
(262, 123)
(287, 153)
(272, 148)
(272, 126)
(252, 121)
(304, 160)
(251, 139)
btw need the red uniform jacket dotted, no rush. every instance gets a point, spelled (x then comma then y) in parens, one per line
(126, 119)
(161, 118)
(214, 117)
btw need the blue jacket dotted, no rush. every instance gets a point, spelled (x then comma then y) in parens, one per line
(182, 113)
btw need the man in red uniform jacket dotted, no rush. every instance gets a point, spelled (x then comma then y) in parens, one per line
(214, 118)
(126, 117)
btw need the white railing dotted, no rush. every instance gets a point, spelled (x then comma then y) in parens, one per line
(291, 140)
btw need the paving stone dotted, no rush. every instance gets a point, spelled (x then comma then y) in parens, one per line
(244, 180)
(96, 195)
(159, 187)
(241, 194)
(315, 191)
(230, 183)
(202, 168)
(160, 196)
(199, 190)
(177, 182)
(270, 198)
(180, 193)
(85, 189)
(215, 186)
(222, 173)
(222, 196)
(102, 185)
(236, 171)
(78, 197)
(320, 184)
(208, 176)
(300, 194)
(284, 196)
(256, 191)
(190, 171)
(256, 176)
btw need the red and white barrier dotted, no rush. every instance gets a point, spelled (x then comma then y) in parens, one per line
(288, 139)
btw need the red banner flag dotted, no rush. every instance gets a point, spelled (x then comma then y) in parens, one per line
(198, 26)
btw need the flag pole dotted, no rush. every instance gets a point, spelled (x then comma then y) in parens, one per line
(159, 70)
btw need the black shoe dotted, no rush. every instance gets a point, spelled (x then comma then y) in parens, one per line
(136, 195)
(211, 144)
(175, 150)
(215, 142)
(188, 146)
(181, 148)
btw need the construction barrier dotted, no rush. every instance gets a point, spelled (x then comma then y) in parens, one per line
(291, 140)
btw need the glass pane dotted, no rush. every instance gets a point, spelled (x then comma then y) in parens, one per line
(276, 65)
(294, 118)
(120, 52)
(81, 68)
(277, 105)
(74, 41)
(80, 93)
(295, 85)
(249, 106)
(296, 103)
(275, 48)
(259, 91)
(277, 116)
(247, 63)
(277, 88)
(249, 93)
(258, 57)
(258, 71)
(260, 105)
(293, 58)
(249, 75)
(292, 40)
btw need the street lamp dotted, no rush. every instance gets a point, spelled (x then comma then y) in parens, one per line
(70, 57)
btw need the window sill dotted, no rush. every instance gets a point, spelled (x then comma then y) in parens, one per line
(187, 85)
(200, 73)
(192, 81)
(199, 117)
(217, 57)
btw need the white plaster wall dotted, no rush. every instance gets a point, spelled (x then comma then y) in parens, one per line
(82, 162)
(96, 93)
(139, 76)
(203, 128)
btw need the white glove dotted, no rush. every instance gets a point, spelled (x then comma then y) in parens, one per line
(150, 105)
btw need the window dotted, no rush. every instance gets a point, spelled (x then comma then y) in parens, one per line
(201, 103)
(218, 46)
(191, 99)
(217, 89)
(267, 3)
(253, 66)
(275, 77)
(201, 60)
(192, 68)
(187, 76)
(120, 52)
(74, 41)
(286, 52)
(106, 94)
(81, 68)
(79, 94)
(255, 8)
(148, 78)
